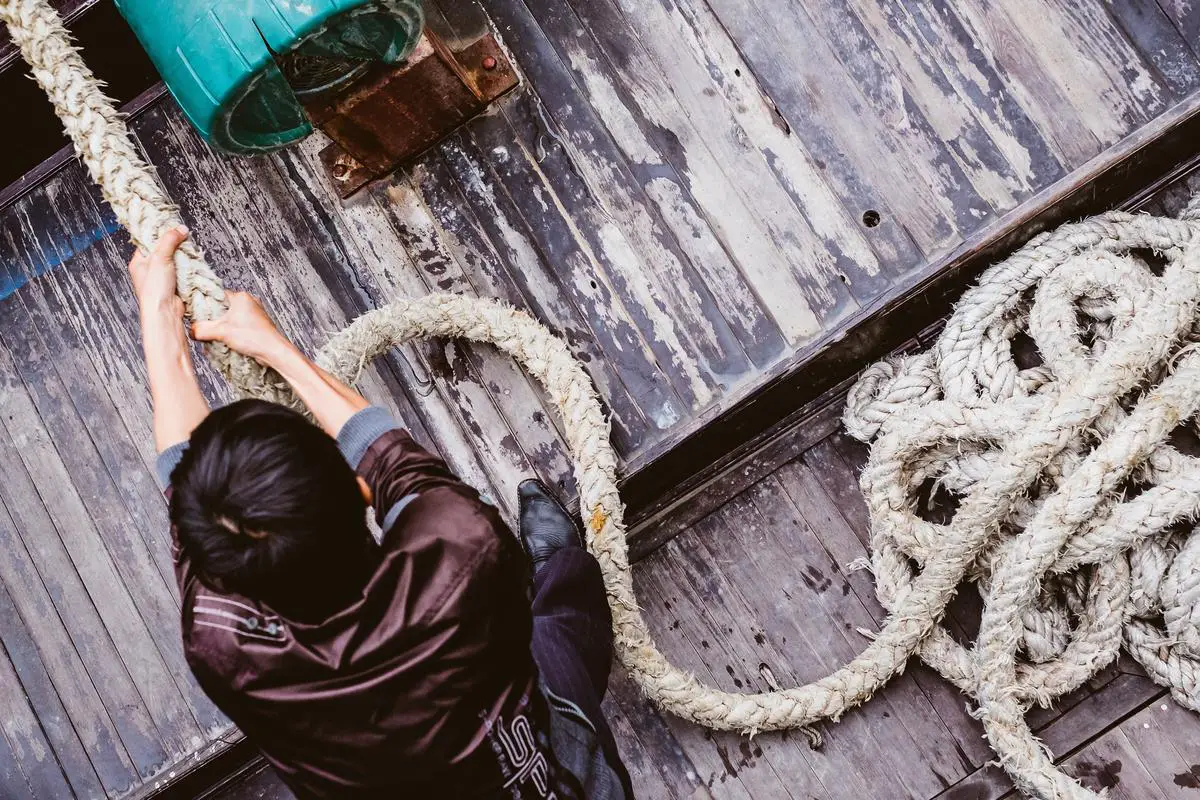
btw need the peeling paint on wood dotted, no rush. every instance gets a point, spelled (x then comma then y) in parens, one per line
(688, 178)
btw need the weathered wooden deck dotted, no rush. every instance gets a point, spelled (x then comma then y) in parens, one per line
(699, 196)
(746, 585)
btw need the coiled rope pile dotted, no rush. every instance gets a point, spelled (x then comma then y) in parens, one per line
(1073, 507)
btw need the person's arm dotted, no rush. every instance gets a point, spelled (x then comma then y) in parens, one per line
(396, 470)
(332, 402)
(247, 328)
(179, 405)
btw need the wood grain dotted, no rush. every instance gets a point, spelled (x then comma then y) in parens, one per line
(653, 105)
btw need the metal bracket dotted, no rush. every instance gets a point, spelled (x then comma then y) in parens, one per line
(393, 114)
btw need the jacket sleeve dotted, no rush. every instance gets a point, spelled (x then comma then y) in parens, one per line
(166, 463)
(395, 467)
(164, 466)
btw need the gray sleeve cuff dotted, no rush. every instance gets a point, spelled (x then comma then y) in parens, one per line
(167, 461)
(361, 431)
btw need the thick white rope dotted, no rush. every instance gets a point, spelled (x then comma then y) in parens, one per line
(1075, 516)
(1042, 458)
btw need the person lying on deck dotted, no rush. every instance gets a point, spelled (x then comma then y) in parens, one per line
(418, 666)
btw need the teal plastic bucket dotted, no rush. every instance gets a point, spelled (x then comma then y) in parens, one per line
(225, 60)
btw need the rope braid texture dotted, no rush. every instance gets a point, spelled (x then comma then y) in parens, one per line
(1074, 512)
(1076, 516)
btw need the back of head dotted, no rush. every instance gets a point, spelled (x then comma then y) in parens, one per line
(266, 506)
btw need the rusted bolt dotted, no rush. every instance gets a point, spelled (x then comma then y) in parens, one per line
(489, 62)
(340, 170)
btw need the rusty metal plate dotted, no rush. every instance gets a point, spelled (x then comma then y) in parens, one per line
(392, 115)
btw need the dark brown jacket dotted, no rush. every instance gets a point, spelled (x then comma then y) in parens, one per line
(425, 686)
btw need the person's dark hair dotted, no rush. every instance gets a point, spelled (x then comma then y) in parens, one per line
(266, 506)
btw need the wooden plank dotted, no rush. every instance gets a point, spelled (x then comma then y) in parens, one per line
(76, 648)
(503, 258)
(1185, 15)
(97, 312)
(49, 667)
(883, 55)
(876, 131)
(506, 269)
(12, 781)
(263, 784)
(723, 568)
(1000, 149)
(1110, 764)
(64, 216)
(641, 236)
(485, 434)
(811, 167)
(799, 483)
(687, 157)
(949, 738)
(621, 348)
(982, 30)
(708, 751)
(839, 479)
(459, 410)
(1165, 740)
(971, 67)
(459, 239)
(1078, 47)
(120, 470)
(574, 223)
(102, 533)
(462, 380)
(89, 499)
(658, 767)
(29, 707)
(532, 263)
(857, 752)
(794, 141)
(523, 405)
(677, 512)
(1076, 727)
(707, 637)
(1151, 31)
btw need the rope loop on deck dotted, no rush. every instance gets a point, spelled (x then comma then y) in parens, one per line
(1074, 511)
(1047, 411)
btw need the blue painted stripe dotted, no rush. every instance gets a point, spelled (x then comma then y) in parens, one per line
(15, 274)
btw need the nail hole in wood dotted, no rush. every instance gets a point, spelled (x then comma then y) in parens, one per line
(871, 218)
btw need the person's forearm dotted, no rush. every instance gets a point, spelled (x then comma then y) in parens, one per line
(179, 405)
(332, 402)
